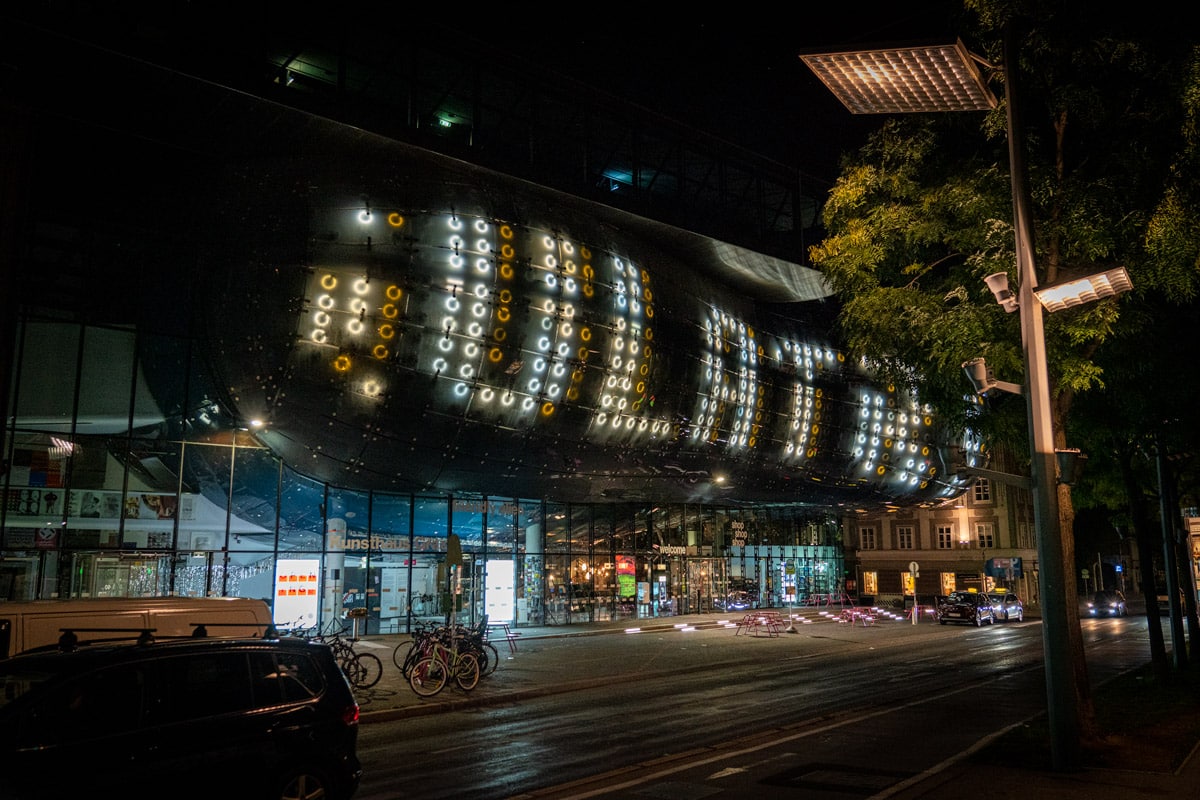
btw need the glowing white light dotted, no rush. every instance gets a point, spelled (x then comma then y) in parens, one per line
(357, 305)
(466, 371)
(456, 261)
(487, 394)
(364, 216)
(445, 345)
(361, 286)
(319, 336)
(534, 384)
(482, 265)
(474, 329)
(471, 349)
(454, 223)
(321, 318)
(355, 326)
(462, 389)
(551, 280)
(325, 301)
(544, 344)
(452, 304)
(439, 364)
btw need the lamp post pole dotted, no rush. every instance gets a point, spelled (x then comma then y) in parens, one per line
(1062, 694)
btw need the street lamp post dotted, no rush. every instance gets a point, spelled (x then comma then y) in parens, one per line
(945, 78)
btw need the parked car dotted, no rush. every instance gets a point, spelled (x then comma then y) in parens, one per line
(269, 719)
(973, 608)
(1007, 606)
(1107, 604)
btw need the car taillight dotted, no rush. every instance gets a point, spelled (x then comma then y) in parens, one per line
(350, 715)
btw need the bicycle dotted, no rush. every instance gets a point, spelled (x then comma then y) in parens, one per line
(441, 662)
(362, 669)
(473, 640)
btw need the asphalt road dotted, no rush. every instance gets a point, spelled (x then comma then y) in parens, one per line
(830, 711)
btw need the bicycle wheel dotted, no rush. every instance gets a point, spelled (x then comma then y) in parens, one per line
(428, 676)
(400, 653)
(489, 660)
(370, 670)
(466, 671)
(353, 669)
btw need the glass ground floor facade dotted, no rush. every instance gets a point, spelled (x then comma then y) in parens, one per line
(85, 517)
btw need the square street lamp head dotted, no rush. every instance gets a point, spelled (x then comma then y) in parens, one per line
(899, 80)
(1077, 291)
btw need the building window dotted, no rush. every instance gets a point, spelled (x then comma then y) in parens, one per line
(985, 535)
(866, 538)
(983, 490)
(904, 537)
(870, 582)
(945, 537)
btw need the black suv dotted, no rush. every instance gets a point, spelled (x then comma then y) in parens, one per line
(247, 718)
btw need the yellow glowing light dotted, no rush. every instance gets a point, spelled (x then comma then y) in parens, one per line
(573, 394)
(394, 292)
(395, 220)
(495, 354)
(386, 331)
(506, 251)
(342, 363)
(328, 282)
(499, 334)
(390, 311)
(506, 271)
(585, 334)
(506, 232)
(503, 314)
(379, 351)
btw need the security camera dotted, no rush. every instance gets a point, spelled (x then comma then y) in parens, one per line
(978, 374)
(981, 379)
(998, 283)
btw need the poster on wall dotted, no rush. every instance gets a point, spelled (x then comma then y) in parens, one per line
(297, 592)
(626, 577)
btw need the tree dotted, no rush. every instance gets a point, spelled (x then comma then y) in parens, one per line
(923, 212)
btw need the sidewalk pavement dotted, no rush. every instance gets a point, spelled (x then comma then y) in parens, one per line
(529, 670)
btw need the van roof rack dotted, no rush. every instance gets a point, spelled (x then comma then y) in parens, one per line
(200, 629)
(68, 640)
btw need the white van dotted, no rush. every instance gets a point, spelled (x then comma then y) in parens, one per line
(36, 623)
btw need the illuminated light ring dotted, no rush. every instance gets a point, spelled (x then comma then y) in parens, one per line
(506, 232)
(583, 354)
(393, 292)
(503, 314)
(499, 334)
(534, 384)
(567, 310)
(445, 345)
(616, 362)
(321, 318)
(495, 355)
(471, 349)
(452, 304)
(570, 267)
(478, 309)
(629, 423)
(482, 265)
(361, 286)
(319, 336)
(881, 470)
(474, 329)
(357, 305)
(386, 331)
(635, 306)
(547, 324)
(925, 451)
(601, 418)
(507, 400)
(611, 382)
(395, 220)
(506, 251)
(379, 351)
(390, 311)
(621, 301)
(527, 404)
(588, 272)
(588, 291)
(564, 348)
(466, 371)
(553, 390)
(439, 364)
(565, 329)
(640, 388)
(539, 364)
(456, 261)
(648, 334)
(576, 375)
(573, 394)
(506, 271)
(487, 394)
(568, 247)
(326, 302)
(462, 389)
(506, 296)
(548, 242)
(551, 261)
(342, 363)
(364, 216)
(544, 344)
(551, 280)
(372, 389)
(481, 225)
(644, 370)
(616, 421)
(569, 285)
